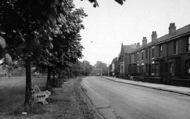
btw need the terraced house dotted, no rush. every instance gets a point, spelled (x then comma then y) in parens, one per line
(166, 57)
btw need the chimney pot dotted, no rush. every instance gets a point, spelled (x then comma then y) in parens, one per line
(172, 28)
(154, 36)
(138, 45)
(144, 41)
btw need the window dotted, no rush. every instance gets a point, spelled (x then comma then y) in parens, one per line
(138, 68)
(113, 67)
(142, 55)
(146, 53)
(153, 51)
(160, 50)
(122, 67)
(175, 47)
(132, 58)
(188, 44)
(155, 69)
(187, 67)
(137, 56)
(171, 69)
(143, 70)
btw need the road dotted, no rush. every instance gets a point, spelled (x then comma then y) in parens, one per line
(135, 102)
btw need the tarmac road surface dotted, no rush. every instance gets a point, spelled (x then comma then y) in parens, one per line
(134, 102)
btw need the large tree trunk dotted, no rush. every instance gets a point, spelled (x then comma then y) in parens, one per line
(59, 80)
(49, 80)
(54, 79)
(28, 89)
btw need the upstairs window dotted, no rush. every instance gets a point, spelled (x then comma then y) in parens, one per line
(188, 44)
(137, 56)
(132, 58)
(160, 50)
(175, 47)
(142, 55)
(153, 52)
(146, 53)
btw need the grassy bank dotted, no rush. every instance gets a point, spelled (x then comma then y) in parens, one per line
(65, 103)
(12, 93)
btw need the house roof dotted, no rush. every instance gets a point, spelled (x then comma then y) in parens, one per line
(114, 60)
(129, 48)
(178, 33)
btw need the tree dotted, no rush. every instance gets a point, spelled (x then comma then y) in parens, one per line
(100, 68)
(86, 68)
(67, 48)
(41, 32)
(27, 27)
(83, 68)
(95, 2)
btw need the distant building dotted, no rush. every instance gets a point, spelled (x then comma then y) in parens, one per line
(114, 70)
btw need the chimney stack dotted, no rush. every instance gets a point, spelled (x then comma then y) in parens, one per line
(138, 45)
(172, 28)
(154, 36)
(144, 41)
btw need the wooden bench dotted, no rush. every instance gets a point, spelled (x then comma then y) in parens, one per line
(40, 96)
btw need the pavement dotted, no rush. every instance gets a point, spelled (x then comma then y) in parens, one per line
(168, 88)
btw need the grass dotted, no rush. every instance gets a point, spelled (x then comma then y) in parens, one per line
(85, 107)
(12, 94)
(65, 103)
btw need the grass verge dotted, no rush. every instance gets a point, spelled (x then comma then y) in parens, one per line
(66, 103)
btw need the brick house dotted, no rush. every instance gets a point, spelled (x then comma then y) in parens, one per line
(124, 59)
(173, 52)
(168, 55)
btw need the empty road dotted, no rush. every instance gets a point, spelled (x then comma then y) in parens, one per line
(134, 102)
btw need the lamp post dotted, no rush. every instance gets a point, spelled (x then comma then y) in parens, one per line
(108, 71)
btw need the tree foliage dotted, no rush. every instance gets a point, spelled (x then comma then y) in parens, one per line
(100, 68)
(95, 2)
(41, 33)
(67, 48)
(83, 68)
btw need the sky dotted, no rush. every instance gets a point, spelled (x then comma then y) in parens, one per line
(111, 24)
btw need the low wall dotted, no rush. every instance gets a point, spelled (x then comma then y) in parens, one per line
(175, 82)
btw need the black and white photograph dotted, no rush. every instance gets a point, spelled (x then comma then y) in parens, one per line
(94, 59)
